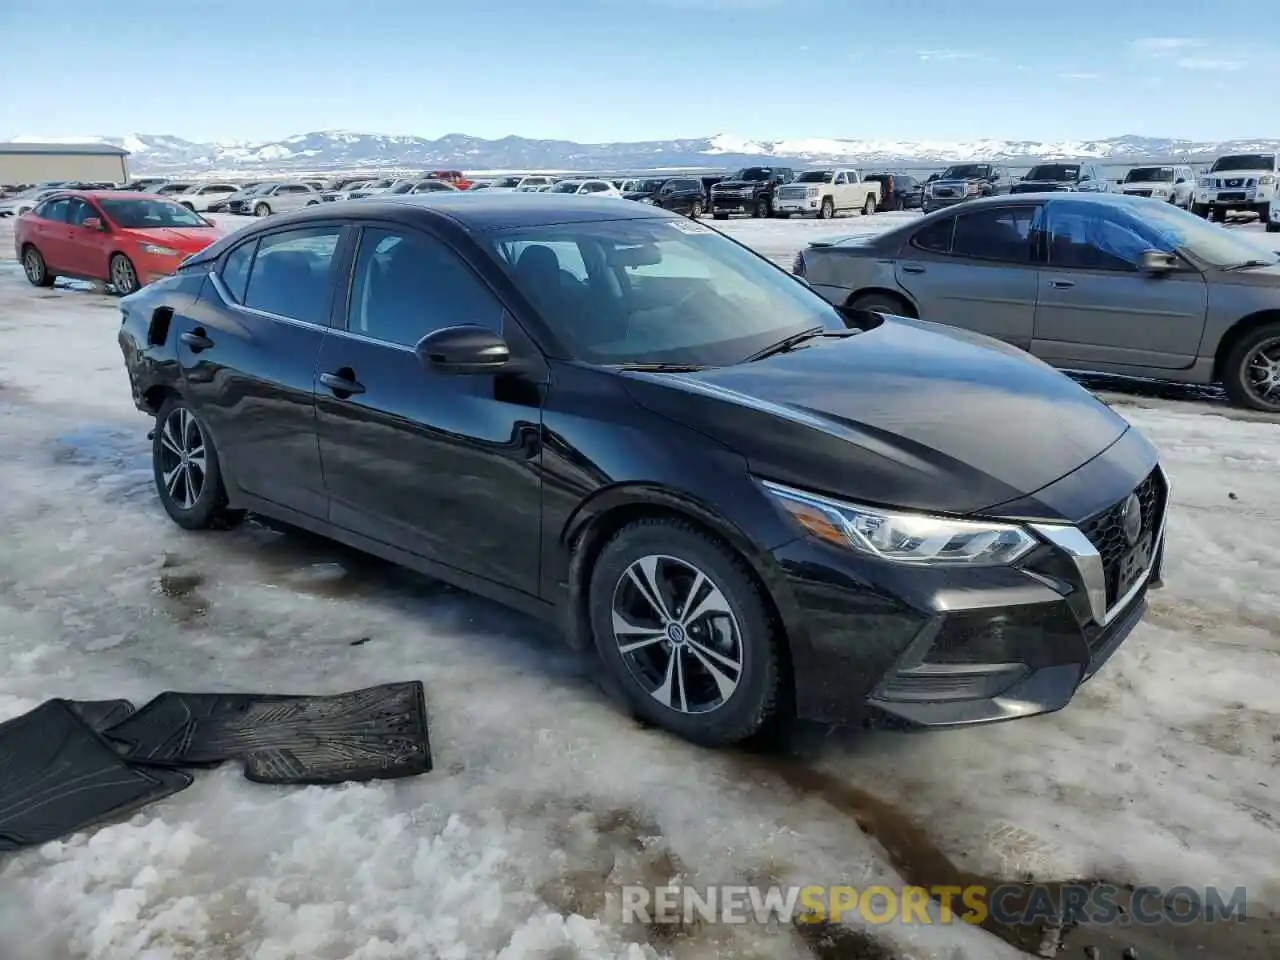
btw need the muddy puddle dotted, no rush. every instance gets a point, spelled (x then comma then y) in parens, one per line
(920, 862)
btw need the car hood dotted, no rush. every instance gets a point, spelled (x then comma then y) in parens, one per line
(1145, 185)
(1239, 174)
(639, 194)
(736, 184)
(1030, 185)
(910, 414)
(180, 238)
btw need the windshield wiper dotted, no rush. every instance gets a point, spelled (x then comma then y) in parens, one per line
(1249, 263)
(660, 367)
(791, 342)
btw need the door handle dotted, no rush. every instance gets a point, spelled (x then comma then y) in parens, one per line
(340, 384)
(913, 268)
(1061, 284)
(196, 340)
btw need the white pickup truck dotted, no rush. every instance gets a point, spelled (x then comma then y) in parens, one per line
(824, 193)
(1239, 183)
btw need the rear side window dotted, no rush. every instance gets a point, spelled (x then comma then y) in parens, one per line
(997, 233)
(936, 237)
(291, 274)
(54, 210)
(235, 270)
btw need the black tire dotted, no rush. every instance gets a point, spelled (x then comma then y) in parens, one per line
(755, 698)
(781, 216)
(1273, 227)
(123, 275)
(208, 509)
(1237, 362)
(1217, 214)
(761, 209)
(262, 210)
(869, 205)
(35, 268)
(1199, 209)
(696, 210)
(827, 210)
(189, 205)
(882, 303)
(719, 216)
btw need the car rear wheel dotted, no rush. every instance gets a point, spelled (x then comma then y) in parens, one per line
(34, 267)
(1251, 374)
(685, 631)
(123, 275)
(761, 209)
(261, 210)
(188, 474)
(696, 210)
(869, 206)
(827, 210)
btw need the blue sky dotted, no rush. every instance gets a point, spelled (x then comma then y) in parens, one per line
(603, 70)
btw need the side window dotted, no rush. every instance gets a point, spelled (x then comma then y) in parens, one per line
(291, 274)
(568, 254)
(841, 180)
(1085, 237)
(235, 270)
(54, 210)
(78, 212)
(597, 187)
(936, 237)
(997, 233)
(408, 285)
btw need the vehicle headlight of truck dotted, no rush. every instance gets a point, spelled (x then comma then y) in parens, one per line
(811, 192)
(1266, 180)
(902, 536)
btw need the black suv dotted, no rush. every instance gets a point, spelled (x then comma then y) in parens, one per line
(750, 190)
(679, 194)
(1055, 177)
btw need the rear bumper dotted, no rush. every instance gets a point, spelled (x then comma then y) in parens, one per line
(944, 648)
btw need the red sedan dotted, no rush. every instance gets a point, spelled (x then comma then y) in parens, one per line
(124, 239)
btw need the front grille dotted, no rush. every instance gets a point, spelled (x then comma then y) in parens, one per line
(1105, 531)
(1235, 182)
(793, 193)
(1139, 193)
(1238, 196)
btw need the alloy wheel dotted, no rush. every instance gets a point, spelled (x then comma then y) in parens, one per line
(677, 634)
(1262, 372)
(123, 276)
(34, 267)
(182, 458)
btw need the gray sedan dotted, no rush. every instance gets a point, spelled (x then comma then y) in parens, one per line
(1100, 283)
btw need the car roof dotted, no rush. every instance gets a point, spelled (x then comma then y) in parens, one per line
(1085, 196)
(109, 194)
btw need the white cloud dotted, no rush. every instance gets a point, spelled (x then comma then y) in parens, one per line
(946, 55)
(1207, 63)
(1080, 76)
(1164, 46)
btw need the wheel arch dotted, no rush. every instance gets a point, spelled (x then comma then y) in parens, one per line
(596, 522)
(898, 295)
(1242, 328)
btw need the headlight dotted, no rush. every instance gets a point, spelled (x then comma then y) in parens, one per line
(811, 192)
(1267, 179)
(902, 536)
(158, 251)
(646, 199)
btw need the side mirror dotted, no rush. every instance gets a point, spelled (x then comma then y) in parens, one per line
(467, 348)
(1157, 262)
(1180, 180)
(92, 223)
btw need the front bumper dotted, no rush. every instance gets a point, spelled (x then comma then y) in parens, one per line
(937, 203)
(801, 206)
(957, 647)
(733, 204)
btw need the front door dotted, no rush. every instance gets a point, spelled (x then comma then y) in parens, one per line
(441, 466)
(262, 317)
(975, 270)
(1096, 307)
(87, 249)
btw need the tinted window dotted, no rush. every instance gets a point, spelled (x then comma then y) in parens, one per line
(235, 270)
(78, 212)
(936, 236)
(997, 233)
(290, 276)
(1089, 237)
(408, 285)
(54, 210)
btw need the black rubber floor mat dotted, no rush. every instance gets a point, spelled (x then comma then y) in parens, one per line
(373, 734)
(102, 714)
(58, 776)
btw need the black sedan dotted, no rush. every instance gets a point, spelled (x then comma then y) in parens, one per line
(746, 499)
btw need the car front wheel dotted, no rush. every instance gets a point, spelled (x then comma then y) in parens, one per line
(261, 210)
(683, 628)
(188, 474)
(1251, 374)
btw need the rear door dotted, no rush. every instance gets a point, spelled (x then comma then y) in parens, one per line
(248, 354)
(441, 466)
(1095, 306)
(50, 234)
(976, 270)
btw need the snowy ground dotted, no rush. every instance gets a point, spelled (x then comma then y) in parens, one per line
(1163, 771)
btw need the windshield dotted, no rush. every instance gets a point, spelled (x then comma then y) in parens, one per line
(656, 291)
(1149, 175)
(259, 188)
(567, 186)
(816, 176)
(143, 214)
(753, 173)
(1054, 171)
(966, 171)
(1207, 241)
(643, 186)
(1245, 161)
(404, 187)
(509, 182)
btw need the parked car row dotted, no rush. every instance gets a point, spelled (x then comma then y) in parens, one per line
(1099, 282)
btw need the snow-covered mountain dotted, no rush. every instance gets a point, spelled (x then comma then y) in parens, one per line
(338, 149)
